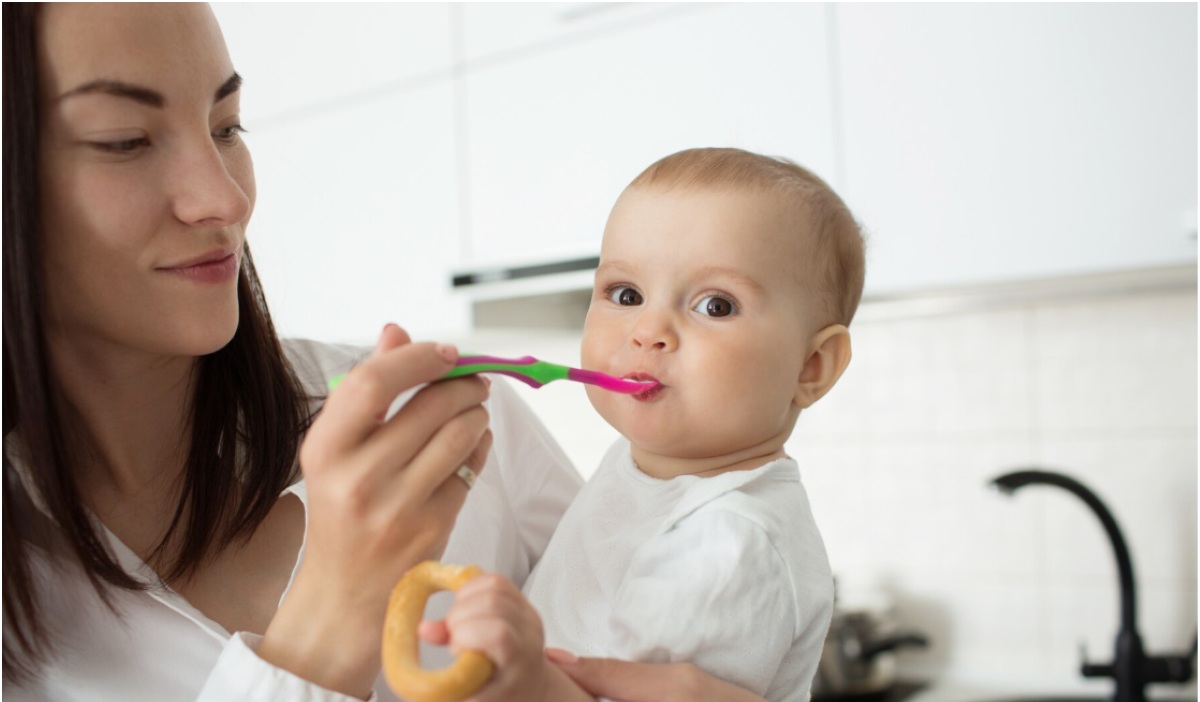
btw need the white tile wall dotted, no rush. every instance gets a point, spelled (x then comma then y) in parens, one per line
(1102, 388)
(896, 458)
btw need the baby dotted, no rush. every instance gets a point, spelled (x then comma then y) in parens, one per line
(730, 278)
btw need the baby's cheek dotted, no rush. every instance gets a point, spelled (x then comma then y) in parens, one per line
(603, 402)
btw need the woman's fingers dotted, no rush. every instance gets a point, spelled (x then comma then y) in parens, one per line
(434, 433)
(391, 337)
(478, 458)
(354, 410)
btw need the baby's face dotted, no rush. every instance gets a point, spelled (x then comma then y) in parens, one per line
(701, 290)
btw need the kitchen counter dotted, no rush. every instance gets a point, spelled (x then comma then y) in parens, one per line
(900, 692)
(967, 693)
(962, 692)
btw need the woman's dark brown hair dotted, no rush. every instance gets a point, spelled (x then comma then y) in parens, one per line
(248, 406)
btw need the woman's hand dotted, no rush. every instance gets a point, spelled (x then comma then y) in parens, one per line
(382, 497)
(490, 615)
(647, 682)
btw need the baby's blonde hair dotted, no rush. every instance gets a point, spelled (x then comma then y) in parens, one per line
(837, 240)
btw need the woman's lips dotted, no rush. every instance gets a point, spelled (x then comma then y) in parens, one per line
(209, 271)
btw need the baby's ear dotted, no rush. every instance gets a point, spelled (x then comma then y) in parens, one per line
(828, 356)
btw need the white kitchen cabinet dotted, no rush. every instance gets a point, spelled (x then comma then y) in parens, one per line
(553, 136)
(297, 58)
(356, 223)
(351, 115)
(995, 142)
(493, 30)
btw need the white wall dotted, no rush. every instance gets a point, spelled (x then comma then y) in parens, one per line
(1101, 387)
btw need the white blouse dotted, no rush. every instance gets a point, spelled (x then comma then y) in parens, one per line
(158, 647)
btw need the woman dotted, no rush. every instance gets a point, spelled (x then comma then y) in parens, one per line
(159, 542)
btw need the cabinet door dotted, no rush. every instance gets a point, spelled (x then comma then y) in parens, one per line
(1008, 141)
(554, 136)
(494, 30)
(356, 223)
(299, 57)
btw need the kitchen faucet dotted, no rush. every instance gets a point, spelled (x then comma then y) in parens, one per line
(1131, 668)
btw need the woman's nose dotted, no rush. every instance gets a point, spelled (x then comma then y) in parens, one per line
(211, 187)
(654, 331)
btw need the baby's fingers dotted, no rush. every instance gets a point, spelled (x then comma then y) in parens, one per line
(491, 615)
(434, 632)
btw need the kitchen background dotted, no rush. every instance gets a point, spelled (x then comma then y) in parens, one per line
(1027, 176)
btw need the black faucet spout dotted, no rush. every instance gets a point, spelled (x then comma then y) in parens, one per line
(1010, 482)
(1131, 669)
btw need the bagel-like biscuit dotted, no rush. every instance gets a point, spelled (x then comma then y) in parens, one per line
(401, 645)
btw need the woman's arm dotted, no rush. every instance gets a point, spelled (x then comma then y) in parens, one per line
(647, 682)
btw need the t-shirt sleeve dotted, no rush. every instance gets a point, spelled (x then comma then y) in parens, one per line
(241, 676)
(712, 591)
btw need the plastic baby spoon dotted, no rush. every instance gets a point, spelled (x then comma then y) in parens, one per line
(535, 373)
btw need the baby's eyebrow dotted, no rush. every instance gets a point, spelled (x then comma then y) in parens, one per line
(614, 268)
(738, 276)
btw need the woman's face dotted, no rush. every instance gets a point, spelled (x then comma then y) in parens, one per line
(146, 184)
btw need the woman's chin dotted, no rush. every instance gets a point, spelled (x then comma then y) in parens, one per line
(204, 339)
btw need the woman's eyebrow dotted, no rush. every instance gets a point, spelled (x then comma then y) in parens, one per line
(143, 95)
(117, 88)
(229, 87)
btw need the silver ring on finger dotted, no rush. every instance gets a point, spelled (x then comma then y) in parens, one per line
(466, 475)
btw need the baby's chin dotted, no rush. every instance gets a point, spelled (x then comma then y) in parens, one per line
(712, 451)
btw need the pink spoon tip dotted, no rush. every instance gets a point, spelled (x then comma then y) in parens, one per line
(608, 382)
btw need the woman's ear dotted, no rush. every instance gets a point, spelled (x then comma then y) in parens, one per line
(828, 356)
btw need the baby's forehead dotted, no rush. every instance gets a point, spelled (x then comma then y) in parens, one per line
(780, 215)
(773, 223)
(784, 198)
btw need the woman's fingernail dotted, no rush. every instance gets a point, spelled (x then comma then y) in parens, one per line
(448, 352)
(559, 655)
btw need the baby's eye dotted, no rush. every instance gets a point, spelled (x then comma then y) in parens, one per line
(715, 306)
(625, 296)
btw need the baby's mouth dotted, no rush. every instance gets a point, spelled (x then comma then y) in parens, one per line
(654, 386)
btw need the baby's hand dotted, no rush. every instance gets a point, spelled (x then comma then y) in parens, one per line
(491, 615)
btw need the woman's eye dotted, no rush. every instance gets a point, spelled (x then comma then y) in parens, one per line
(715, 306)
(124, 146)
(625, 296)
(229, 135)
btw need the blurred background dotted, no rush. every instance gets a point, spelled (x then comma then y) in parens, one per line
(1027, 177)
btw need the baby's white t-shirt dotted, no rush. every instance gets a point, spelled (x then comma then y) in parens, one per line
(728, 573)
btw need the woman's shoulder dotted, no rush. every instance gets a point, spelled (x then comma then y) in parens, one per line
(317, 362)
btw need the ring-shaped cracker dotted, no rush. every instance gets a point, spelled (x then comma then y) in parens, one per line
(401, 645)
